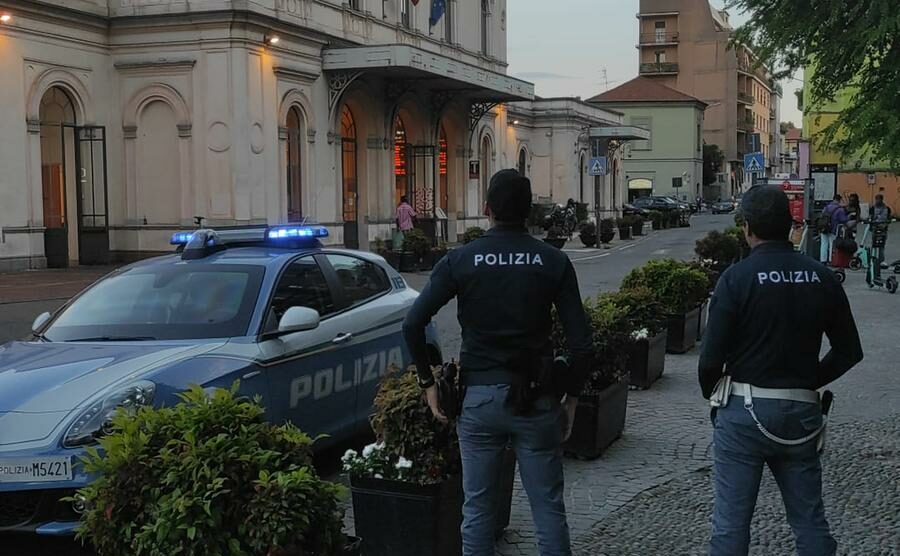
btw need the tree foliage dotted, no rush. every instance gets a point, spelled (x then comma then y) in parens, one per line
(848, 43)
(713, 157)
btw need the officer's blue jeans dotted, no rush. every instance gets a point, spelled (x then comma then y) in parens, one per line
(741, 451)
(486, 427)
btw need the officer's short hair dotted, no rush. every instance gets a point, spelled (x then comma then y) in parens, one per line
(509, 196)
(766, 211)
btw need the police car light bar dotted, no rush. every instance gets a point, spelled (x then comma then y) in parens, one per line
(296, 232)
(180, 238)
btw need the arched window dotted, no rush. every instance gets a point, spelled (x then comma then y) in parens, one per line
(401, 160)
(523, 156)
(485, 157)
(349, 176)
(294, 168)
(443, 193)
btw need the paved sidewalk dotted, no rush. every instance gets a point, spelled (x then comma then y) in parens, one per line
(48, 284)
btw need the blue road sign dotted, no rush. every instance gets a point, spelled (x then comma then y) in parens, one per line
(754, 162)
(597, 166)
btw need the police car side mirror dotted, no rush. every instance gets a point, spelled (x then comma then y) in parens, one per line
(298, 319)
(39, 322)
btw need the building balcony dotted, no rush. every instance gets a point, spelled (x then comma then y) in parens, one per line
(745, 98)
(745, 125)
(657, 39)
(660, 68)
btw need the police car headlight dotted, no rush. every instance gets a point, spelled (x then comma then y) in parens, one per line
(96, 421)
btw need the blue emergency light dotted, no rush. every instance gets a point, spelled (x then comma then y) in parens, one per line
(180, 238)
(296, 232)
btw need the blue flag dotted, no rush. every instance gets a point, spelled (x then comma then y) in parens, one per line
(438, 7)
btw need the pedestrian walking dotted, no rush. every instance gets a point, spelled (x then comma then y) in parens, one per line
(405, 215)
(829, 223)
(767, 408)
(506, 284)
(879, 212)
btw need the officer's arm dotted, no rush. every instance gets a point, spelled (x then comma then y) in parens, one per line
(441, 288)
(577, 330)
(846, 349)
(718, 337)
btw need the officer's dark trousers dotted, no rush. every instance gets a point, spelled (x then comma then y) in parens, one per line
(741, 451)
(486, 427)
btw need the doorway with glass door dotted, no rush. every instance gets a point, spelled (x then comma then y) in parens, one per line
(73, 182)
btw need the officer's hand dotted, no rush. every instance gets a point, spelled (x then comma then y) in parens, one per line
(569, 406)
(431, 394)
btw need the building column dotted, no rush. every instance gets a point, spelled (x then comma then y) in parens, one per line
(129, 135)
(35, 208)
(188, 196)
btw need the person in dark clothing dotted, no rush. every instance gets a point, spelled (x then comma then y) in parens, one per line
(506, 284)
(836, 216)
(854, 215)
(766, 324)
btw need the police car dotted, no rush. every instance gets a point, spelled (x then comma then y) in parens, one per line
(309, 329)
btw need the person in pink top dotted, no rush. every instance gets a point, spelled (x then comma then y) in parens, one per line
(406, 215)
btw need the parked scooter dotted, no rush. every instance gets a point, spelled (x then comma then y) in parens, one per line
(875, 256)
(563, 219)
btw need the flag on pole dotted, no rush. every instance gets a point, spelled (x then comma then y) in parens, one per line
(438, 7)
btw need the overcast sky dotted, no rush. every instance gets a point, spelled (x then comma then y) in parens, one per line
(577, 49)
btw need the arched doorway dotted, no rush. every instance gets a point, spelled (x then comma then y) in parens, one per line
(294, 170)
(73, 184)
(485, 155)
(349, 179)
(401, 160)
(522, 163)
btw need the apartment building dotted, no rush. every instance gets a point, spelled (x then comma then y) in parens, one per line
(685, 44)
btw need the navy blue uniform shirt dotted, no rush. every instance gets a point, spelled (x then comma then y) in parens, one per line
(767, 319)
(506, 283)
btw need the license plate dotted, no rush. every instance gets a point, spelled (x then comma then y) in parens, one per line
(35, 470)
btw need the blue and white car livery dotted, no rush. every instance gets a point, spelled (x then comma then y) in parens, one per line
(309, 329)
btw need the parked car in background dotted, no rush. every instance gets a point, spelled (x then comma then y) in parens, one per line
(723, 207)
(630, 210)
(655, 203)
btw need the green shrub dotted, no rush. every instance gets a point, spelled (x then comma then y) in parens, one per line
(657, 217)
(207, 477)
(722, 249)
(472, 234)
(642, 310)
(537, 214)
(737, 232)
(676, 285)
(607, 226)
(581, 212)
(416, 242)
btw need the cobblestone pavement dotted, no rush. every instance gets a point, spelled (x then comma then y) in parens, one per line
(862, 497)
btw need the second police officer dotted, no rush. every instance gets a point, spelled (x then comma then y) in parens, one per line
(761, 368)
(507, 284)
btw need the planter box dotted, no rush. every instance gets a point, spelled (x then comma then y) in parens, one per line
(408, 262)
(647, 360)
(392, 258)
(657, 225)
(606, 237)
(404, 519)
(682, 334)
(702, 320)
(599, 421)
(588, 240)
(637, 229)
(625, 232)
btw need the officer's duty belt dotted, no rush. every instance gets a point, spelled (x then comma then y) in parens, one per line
(791, 394)
(490, 378)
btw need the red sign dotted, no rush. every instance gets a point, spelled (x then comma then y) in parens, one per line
(786, 186)
(796, 204)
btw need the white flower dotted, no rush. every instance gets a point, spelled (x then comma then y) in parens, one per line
(641, 334)
(403, 463)
(380, 445)
(349, 456)
(369, 450)
(379, 476)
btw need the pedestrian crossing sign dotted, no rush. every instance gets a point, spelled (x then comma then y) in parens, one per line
(754, 162)
(597, 166)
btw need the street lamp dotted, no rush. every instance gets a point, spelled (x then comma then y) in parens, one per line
(272, 39)
(5, 18)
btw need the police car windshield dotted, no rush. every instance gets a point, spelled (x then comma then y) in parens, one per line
(180, 302)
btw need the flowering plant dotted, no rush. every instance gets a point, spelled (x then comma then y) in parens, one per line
(641, 334)
(375, 461)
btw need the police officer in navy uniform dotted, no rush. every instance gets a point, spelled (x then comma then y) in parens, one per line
(506, 284)
(766, 325)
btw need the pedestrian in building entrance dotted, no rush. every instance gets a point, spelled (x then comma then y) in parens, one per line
(406, 215)
(829, 222)
(767, 410)
(506, 284)
(879, 213)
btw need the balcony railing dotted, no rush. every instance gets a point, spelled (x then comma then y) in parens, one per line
(659, 38)
(661, 68)
(745, 98)
(744, 124)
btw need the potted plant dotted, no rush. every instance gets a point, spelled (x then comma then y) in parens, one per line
(419, 246)
(607, 230)
(209, 476)
(588, 234)
(680, 289)
(647, 346)
(674, 218)
(438, 252)
(738, 234)
(657, 219)
(555, 237)
(600, 416)
(718, 250)
(471, 234)
(379, 246)
(637, 225)
(624, 226)
(407, 487)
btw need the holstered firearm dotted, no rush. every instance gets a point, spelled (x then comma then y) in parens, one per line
(541, 376)
(450, 392)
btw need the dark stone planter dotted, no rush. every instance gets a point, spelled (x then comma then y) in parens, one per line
(647, 360)
(558, 242)
(637, 229)
(657, 225)
(599, 421)
(606, 237)
(702, 320)
(625, 232)
(682, 334)
(408, 262)
(392, 258)
(588, 240)
(405, 519)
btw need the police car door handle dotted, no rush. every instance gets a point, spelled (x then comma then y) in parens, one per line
(342, 338)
